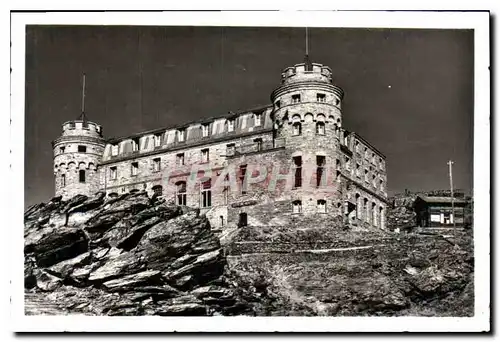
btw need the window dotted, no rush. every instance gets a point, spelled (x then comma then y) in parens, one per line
(358, 170)
(242, 220)
(277, 104)
(337, 164)
(114, 149)
(337, 176)
(181, 135)
(112, 172)
(81, 176)
(221, 221)
(347, 163)
(230, 149)
(72, 125)
(374, 181)
(381, 163)
(296, 207)
(357, 146)
(204, 130)
(358, 206)
(346, 139)
(230, 125)
(381, 185)
(134, 169)
(366, 209)
(206, 194)
(204, 155)
(320, 165)
(297, 128)
(180, 193)
(296, 98)
(242, 175)
(298, 172)
(337, 102)
(258, 142)
(257, 118)
(61, 149)
(135, 145)
(366, 152)
(179, 159)
(320, 97)
(320, 128)
(63, 180)
(366, 176)
(82, 148)
(157, 190)
(156, 164)
(321, 204)
(157, 140)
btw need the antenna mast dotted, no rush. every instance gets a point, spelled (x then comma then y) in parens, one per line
(307, 43)
(82, 116)
(450, 164)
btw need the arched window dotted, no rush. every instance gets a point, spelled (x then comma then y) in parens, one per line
(366, 209)
(221, 221)
(63, 180)
(296, 129)
(320, 128)
(81, 176)
(180, 194)
(296, 126)
(297, 207)
(158, 190)
(321, 206)
(206, 194)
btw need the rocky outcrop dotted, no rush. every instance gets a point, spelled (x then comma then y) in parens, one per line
(135, 255)
(131, 255)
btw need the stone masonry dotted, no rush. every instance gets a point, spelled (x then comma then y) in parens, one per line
(271, 165)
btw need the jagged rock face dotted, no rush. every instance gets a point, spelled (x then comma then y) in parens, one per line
(130, 255)
(133, 255)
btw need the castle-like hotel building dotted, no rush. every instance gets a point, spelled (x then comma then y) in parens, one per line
(265, 166)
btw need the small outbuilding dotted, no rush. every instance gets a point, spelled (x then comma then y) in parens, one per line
(436, 211)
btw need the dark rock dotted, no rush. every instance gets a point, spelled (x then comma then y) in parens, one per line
(51, 245)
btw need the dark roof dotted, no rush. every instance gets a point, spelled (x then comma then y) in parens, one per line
(441, 199)
(364, 141)
(230, 114)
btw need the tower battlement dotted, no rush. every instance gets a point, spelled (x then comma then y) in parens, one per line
(306, 72)
(81, 128)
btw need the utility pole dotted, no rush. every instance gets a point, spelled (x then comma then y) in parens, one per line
(450, 164)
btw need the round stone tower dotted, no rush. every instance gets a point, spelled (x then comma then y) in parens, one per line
(76, 155)
(307, 115)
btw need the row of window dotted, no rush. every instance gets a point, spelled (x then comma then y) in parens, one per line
(297, 206)
(366, 154)
(297, 128)
(81, 149)
(363, 209)
(81, 178)
(296, 98)
(181, 134)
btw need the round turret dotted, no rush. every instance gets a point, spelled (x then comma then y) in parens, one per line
(307, 116)
(76, 156)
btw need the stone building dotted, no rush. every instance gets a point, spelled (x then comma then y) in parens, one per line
(269, 166)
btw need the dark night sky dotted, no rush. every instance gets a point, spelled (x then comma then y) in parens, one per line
(408, 92)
